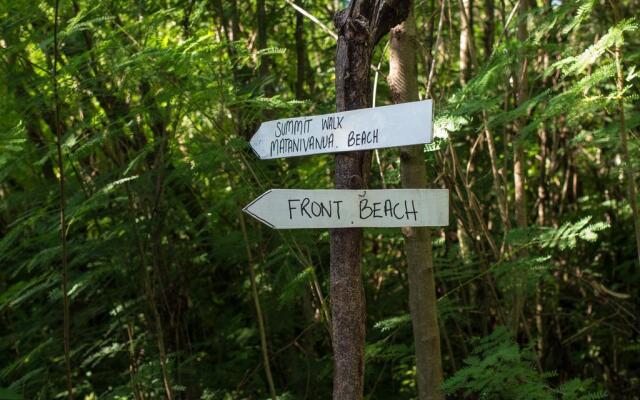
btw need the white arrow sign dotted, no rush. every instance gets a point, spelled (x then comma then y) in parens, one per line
(298, 208)
(368, 128)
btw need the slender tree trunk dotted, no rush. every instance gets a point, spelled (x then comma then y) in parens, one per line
(235, 21)
(542, 183)
(262, 38)
(631, 182)
(466, 36)
(403, 82)
(518, 156)
(66, 324)
(489, 27)
(519, 168)
(360, 28)
(256, 302)
(262, 44)
(300, 54)
(430, 38)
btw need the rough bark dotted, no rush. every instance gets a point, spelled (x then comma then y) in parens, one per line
(360, 28)
(403, 83)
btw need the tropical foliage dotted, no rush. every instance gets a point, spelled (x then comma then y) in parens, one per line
(143, 109)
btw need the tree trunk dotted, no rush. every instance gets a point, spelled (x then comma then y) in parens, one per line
(466, 30)
(262, 44)
(300, 54)
(430, 39)
(519, 169)
(518, 156)
(403, 82)
(624, 141)
(489, 27)
(359, 27)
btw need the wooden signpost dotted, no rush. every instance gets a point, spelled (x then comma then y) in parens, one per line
(295, 209)
(348, 131)
(368, 128)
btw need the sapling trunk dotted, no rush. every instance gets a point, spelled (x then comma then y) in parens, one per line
(403, 82)
(628, 164)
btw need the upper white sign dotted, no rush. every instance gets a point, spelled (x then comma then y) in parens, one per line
(299, 208)
(368, 128)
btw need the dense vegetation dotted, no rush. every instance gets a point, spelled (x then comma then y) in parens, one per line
(149, 293)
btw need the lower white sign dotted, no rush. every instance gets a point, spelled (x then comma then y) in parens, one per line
(332, 208)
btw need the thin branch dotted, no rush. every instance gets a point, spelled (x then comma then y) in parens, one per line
(325, 28)
(373, 102)
(312, 18)
(624, 139)
(63, 222)
(506, 27)
(256, 300)
(435, 49)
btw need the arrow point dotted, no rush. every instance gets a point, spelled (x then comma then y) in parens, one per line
(256, 141)
(254, 150)
(247, 209)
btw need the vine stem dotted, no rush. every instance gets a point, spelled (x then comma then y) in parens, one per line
(256, 300)
(624, 140)
(63, 222)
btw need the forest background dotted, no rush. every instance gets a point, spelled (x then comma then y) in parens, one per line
(143, 110)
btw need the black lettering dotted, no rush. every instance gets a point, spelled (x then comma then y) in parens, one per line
(285, 145)
(376, 210)
(387, 207)
(303, 207)
(395, 214)
(337, 203)
(313, 209)
(364, 206)
(350, 140)
(339, 122)
(375, 136)
(414, 212)
(292, 208)
(326, 210)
